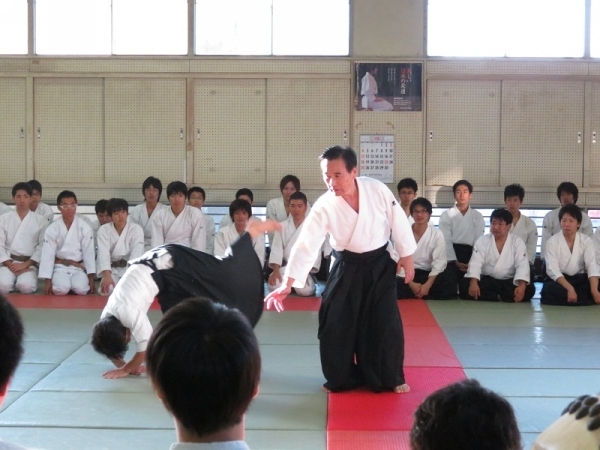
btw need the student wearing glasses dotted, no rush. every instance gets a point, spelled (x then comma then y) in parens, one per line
(68, 261)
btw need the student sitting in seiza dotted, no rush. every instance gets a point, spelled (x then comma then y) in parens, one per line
(143, 213)
(522, 225)
(118, 242)
(241, 194)
(282, 244)
(196, 198)
(103, 218)
(499, 268)
(68, 262)
(461, 226)
(208, 386)
(36, 204)
(570, 264)
(432, 280)
(240, 213)
(567, 194)
(180, 223)
(21, 241)
(407, 192)
(279, 208)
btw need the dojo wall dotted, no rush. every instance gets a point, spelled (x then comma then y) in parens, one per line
(101, 125)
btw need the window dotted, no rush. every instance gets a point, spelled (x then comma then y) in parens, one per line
(595, 30)
(514, 28)
(13, 27)
(272, 27)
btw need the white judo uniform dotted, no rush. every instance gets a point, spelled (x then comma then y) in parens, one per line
(369, 91)
(561, 261)
(4, 208)
(76, 244)
(45, 210)
(188, 228)
(430, 254)
(209, 226)
(228, 235)
(459, 229)
(276, 211)
(281, 247)
(512, 263)
(20, 240)
(114, 249)
(526, 229)
(551, 226)
(139, 215)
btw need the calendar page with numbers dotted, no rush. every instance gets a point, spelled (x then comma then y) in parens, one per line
(377, 156)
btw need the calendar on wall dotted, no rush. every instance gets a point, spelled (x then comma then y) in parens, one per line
(377, 156)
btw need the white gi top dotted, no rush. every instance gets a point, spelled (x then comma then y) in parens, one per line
(139, 215)
(228, 235)
(276, 211)
(4, 208)
(526, 229)
(75, 243)
(22, 237)
(379, 216)
(114, 247)
(551, 226)
(459, 229)
(284, 240)
(229, 445)
(430, 254)
(209, 226)
(186, 229)
(132, 297)
(511, 263)
(560, 261)
(45, 210)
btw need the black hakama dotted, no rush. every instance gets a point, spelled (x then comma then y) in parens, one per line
(492, 289)
(360, 330)
(443, 287)
(554, 294)
(236, 280)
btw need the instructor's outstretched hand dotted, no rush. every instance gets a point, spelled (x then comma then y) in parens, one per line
(275, 298)
(256, 227)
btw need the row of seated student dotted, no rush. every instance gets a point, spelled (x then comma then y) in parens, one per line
(461, 416)
(62, 252)
(457, 260)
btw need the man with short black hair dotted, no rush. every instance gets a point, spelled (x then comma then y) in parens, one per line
(208, 386)
(407, 192)
(68, 261)
(240, 213)
(196, 198)
(11, 351)
(522, 225)
(21, 241)
(499, 268)
(37, 206)
(143, 213)
(241, 194)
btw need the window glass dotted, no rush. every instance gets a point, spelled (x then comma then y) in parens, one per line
(13, 27)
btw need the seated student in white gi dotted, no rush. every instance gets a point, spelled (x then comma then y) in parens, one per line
(240, 212)
(461, 226)
(21, 240)
(431, 280)
(567, 194)
(522, 225)
(407, 192)
(223, 365)
(103, 218)
(173, 273)
(570, 264)
(68, 262)
(499, 268)
(180, 223)
(118, 242)
(37, 206)
(242, 194)
(282, 244)
(196, 197)
(143, 213)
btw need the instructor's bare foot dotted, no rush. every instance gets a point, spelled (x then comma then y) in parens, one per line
(402, 389)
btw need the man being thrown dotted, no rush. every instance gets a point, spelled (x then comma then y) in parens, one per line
(282, 244)
(118, 242)
(68, 260)
(499, 268)
(431, 280)
(208, 386)
(172, 273)
(21, 240)
(570, 264)
(361, 339)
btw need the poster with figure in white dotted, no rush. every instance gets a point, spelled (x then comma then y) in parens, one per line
(388, 86)
(377, 157)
